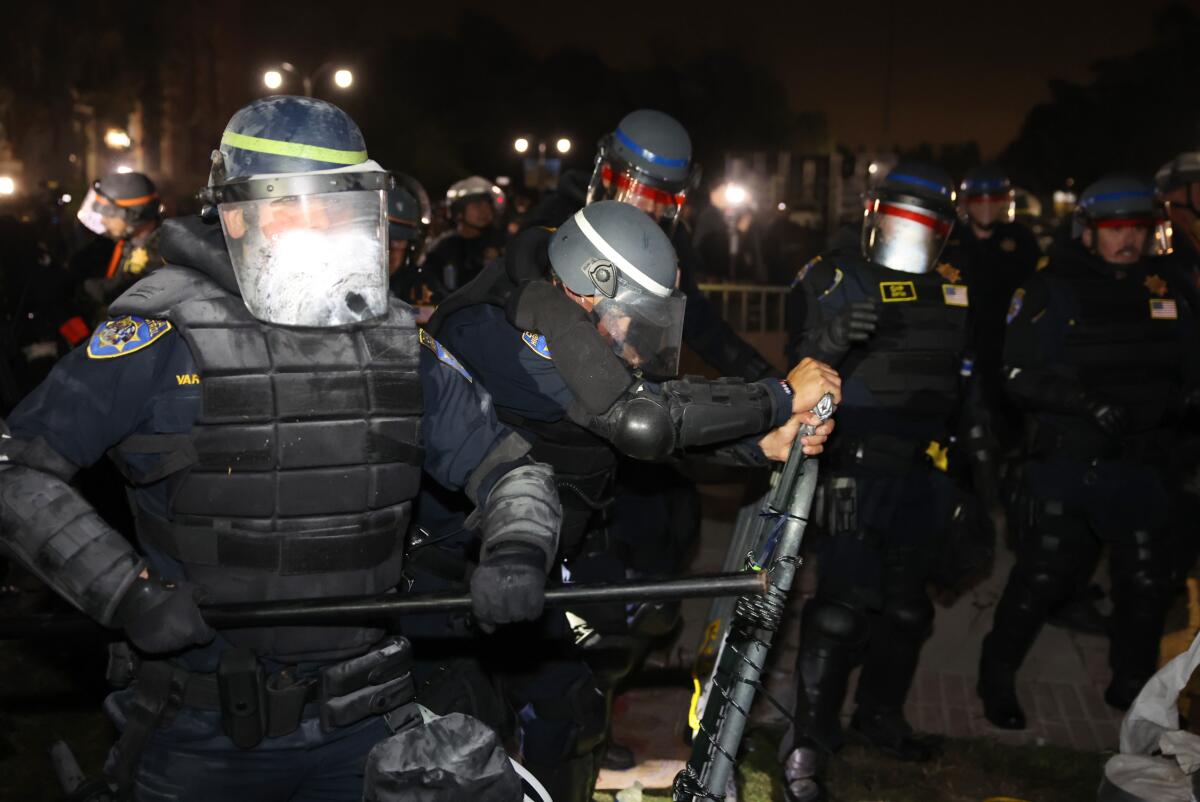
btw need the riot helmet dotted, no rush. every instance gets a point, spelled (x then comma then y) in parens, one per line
(1116, 206)
(408, 216)
(619, 258)
(646, 162)
(462, 194)
(908, 218)
(118, 204)
(986, 197)
(303, 211)
(1178, 184)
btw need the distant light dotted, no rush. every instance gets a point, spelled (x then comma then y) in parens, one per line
(66, 197)
(273, 79)
(343, 78)
(521, 145)
(781, 206)
(872, 168)
(563, 145)
(736, 194)
(503, 180)
(8, 185)
(117, 139)
(124, 168)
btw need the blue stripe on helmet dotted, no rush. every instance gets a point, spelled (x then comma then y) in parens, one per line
(987, 186)
(653, 158)
(922, 182)
(1111, 196)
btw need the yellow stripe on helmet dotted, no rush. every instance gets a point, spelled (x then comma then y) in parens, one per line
(296, 150)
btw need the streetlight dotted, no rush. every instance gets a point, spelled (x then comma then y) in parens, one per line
(563, 145)
(8, 185)
(273, 78)
(521, 145)
(124, 168)
(117, 139)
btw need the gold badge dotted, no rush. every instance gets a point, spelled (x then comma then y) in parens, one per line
(949, 272)
(1156, 285)
(893, 291)
(137, 261)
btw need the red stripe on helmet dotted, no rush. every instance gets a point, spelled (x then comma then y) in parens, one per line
(937, 224)
(642, 190)
(1127, 222)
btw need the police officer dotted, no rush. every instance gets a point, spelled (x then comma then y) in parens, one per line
(272, 409)
(897, 328)
(646, 161)
(996, 255)
(1100, 352)
(125, 208)
(1178, 185)
(612, 272)
(461, 253)
(408, 215)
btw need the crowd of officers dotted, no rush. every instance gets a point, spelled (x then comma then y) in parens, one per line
(288, 427)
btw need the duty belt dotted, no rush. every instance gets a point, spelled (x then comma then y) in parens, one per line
(254, 705)
(880, 452)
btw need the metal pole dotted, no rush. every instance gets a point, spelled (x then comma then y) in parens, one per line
(356, 610)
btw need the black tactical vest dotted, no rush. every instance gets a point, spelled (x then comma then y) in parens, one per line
(912, 363)
(1123, 342)
(303, 463)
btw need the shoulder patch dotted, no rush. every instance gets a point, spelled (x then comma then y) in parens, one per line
(537, 343)
(124, 335)
(1014, 306)
(444, 356)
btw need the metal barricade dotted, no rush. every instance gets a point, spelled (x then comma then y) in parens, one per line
(749, 308)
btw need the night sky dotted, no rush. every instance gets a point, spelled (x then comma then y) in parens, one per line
(962, 71)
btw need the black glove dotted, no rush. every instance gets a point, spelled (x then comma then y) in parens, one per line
(509, 586)
(1111, 418)
(854, 324)
(160, 616)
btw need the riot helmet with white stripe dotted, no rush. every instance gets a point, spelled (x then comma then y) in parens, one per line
(645, 162)
(303, 211)
(908, 218)
(616, 262)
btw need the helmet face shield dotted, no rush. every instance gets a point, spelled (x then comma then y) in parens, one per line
(904, 236)
(988, 210)
(636, 189)
(645, 330)
(310, 260)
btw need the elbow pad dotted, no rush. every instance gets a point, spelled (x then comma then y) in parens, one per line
(523, 509)
(53, 532)
(684, 413)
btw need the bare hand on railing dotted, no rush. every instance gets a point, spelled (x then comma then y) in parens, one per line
(777, 443)
(810, 381)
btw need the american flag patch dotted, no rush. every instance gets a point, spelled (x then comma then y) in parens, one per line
(1163, 309)
(954, 294)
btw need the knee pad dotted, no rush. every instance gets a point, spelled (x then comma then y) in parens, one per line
(835, 621)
